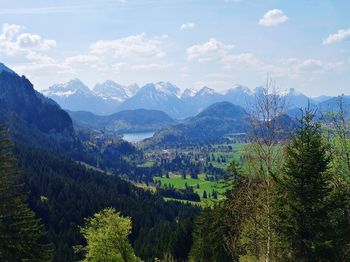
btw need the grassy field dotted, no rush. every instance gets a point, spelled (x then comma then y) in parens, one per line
(146, 164)
(199, 185)
(203, 203)
(235, 155)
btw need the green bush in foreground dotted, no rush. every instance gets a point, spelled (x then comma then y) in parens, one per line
(106, 234)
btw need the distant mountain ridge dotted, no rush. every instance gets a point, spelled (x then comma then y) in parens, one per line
(104, 99)
(110, 97)
(209, 126)
(139, 120)
(217, 123)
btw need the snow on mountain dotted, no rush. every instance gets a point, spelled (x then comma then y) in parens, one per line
(110, 97)
(188, 93)
(131, 90)
(238, 89)
(76, 96)
(111, 90)
(205, 91)
(167, 88)
(162, 96)
(70, 88)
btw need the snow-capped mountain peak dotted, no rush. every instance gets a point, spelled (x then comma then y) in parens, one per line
(167, 88)
(131, 90)
(243, 89)
(239, 89)
(205, 91)
(188, 93)
(111, 90)
(67, 89)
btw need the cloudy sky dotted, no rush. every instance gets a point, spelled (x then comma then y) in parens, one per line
(191, 43)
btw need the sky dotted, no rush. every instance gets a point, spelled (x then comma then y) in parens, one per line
(191, 43)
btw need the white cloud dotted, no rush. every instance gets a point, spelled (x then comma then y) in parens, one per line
(339, 36)
(151, 66)
(13, 42)
(9, 31)
(188, 25)
(134, 46)
(243, 59)
(209, 51)
(82, 59)
(273, 17)
(29, 41)
(44, 68)
(39, 58)
(297, 68)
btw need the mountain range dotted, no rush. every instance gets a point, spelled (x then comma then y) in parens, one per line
(104, 99)
(109, 97)
(33, 117)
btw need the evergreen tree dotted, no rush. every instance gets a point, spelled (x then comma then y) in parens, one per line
(208, 236)
(303, 206)
(22, 236)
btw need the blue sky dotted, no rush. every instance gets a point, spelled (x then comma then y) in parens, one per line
(191, 43)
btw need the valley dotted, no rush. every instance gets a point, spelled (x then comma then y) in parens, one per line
(174, 131)
(160, 170)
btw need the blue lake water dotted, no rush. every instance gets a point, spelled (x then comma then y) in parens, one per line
(137, 137)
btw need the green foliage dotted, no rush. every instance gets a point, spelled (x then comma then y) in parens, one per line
(208, 236)
(304, 206)
(219, 231)
(199, 185)
(106, 234)
(63, 193)
(22, 236)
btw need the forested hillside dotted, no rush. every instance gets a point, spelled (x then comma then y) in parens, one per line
(63, 193)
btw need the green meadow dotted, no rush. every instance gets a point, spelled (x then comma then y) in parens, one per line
(199, 185)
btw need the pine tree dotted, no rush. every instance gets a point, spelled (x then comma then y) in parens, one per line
(22, 236)
(208, 236)
(303, 205)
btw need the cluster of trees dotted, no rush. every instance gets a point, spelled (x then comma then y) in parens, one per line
(186, 194)
(180, 164)
(291, 202)
(64, 193)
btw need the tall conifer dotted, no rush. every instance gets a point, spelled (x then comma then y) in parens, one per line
(303, 206)
(21, 233)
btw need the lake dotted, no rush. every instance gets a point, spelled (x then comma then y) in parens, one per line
(137, 137)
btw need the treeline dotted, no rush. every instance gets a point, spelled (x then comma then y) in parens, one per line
(185, 194)
(181, 164)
